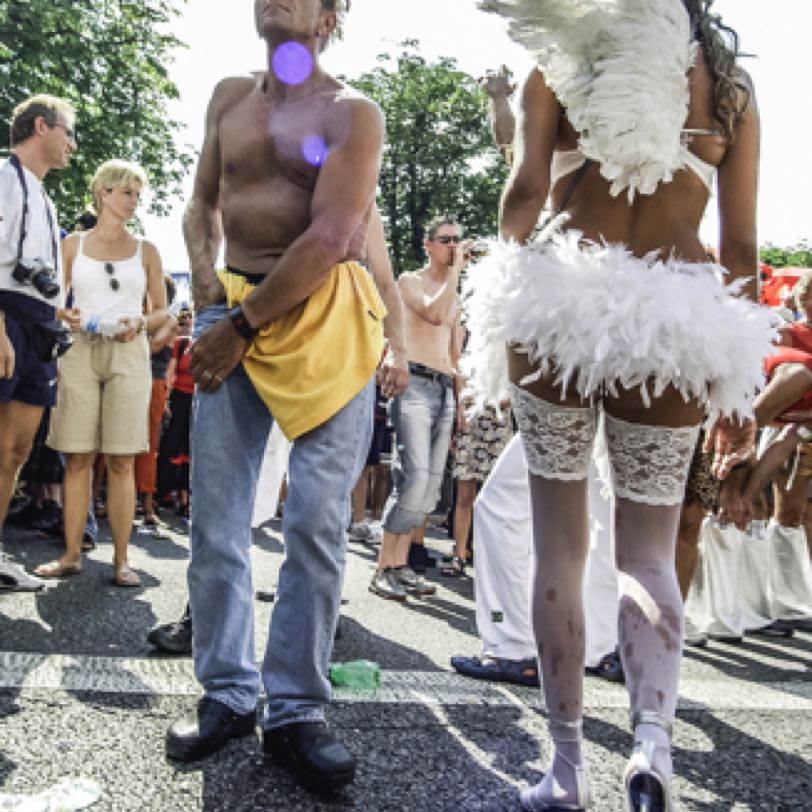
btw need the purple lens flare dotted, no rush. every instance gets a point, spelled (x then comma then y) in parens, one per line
(314, 150)
(292, 63)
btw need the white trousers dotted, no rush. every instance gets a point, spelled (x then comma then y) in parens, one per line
(503, 552)
(274, 465)
(744, 581)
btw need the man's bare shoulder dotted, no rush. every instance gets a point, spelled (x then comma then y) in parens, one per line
(232, 89)
(410, 278)
(347, 97)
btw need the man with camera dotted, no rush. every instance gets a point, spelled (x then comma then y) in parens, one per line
(31, 314)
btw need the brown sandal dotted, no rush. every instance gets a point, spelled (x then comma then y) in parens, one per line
(57, 569)
(126, 577)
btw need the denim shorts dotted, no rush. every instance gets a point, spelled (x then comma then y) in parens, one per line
(34, 380)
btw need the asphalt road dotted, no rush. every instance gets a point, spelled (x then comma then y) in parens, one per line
(82, 694)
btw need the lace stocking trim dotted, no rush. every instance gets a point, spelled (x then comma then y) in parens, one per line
(649, 463)
(557, 439)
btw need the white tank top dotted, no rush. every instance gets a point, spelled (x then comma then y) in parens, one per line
(93, 292)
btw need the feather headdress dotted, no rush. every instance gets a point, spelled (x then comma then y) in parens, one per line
(619, 68)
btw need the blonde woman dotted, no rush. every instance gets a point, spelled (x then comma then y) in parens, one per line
(104, 379)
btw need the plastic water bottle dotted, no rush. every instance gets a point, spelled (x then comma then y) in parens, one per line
(361, 675)
(93, 325)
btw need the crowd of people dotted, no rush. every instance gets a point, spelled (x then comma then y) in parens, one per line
(631, 362)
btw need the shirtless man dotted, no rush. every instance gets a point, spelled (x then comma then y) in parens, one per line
(423, 416)
(287, 174)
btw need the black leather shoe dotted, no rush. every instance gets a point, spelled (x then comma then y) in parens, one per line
(208, 731)
(173, 638)
(318, 758)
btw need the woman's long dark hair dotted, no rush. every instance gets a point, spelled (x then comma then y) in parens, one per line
(720, 44)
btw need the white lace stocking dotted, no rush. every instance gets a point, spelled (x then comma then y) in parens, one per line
(557, 439)
(649, 463)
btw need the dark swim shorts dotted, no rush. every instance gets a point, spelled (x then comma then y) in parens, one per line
(34, 380)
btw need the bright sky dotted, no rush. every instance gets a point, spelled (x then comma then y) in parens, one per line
(223, 43)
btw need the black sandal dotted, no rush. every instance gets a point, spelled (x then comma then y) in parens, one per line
(454, 568)
(609, 668)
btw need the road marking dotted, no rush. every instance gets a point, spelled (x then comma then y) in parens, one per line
(175, 677)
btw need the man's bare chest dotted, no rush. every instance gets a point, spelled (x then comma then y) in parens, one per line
(258, 144)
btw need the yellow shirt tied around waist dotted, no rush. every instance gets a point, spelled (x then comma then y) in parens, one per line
(309, 363)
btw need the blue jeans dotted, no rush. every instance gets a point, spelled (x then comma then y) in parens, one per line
(229, 433)
(423, 419)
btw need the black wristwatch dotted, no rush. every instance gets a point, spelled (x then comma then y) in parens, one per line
(240, 323)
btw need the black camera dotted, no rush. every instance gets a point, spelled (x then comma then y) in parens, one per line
(39, 274)
(50, 339)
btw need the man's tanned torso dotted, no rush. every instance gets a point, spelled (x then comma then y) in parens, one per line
(428, 342)
(266, 183)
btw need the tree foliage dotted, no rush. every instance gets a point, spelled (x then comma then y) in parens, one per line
(796, 256)
(110, 59)
(439, 155)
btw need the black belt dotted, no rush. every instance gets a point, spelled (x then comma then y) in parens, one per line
(251, 278)
(422, 371)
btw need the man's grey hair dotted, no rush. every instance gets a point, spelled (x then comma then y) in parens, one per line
(25, 115)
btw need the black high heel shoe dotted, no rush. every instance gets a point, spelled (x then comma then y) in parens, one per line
(646, 789)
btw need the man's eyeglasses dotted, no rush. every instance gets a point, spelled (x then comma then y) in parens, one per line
(68, 131)
(110, 269)
(447, 240)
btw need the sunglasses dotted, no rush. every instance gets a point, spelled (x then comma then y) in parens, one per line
(71, 134)
(110, 269)
(444, 240)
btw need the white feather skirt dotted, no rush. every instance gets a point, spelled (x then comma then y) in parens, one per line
(596, 316)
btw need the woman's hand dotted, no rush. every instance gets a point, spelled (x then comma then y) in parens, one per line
(731, 442)
(164, 335)
(130, 328)
(735, 505)
(71, 316)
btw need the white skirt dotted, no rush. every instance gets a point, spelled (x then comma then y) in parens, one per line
(597, 317)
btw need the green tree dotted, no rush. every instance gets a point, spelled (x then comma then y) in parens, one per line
(439, 154)
(108, 58)
(796, 256)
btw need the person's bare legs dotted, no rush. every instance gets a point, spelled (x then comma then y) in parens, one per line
(18, 426)
(99, 471)
(149, 507)
(391, 545)
(789, 383)
(359, 497)
(463, 514)
(76, 496)
(789, 503)
(691, 517)
(120, 504)
(381, 486)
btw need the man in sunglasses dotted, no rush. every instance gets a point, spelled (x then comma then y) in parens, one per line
(30, 292)
(423, 415)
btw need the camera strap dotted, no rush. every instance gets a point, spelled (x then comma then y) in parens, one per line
(18, 168)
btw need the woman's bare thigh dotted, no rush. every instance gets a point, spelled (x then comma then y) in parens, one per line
(669, 409)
